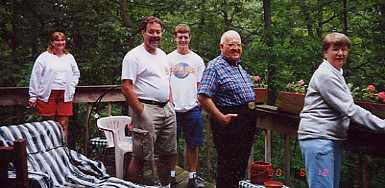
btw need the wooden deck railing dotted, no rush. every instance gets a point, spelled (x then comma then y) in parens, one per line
(18, 96)
(360, 141)
(268, 119)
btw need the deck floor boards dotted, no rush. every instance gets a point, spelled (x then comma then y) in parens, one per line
(108, 158)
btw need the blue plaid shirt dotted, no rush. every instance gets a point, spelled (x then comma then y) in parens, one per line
(226, 84)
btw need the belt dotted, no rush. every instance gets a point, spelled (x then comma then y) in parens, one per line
(161, 104)
(250, 106)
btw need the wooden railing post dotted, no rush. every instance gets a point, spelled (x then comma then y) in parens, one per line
(109, 108)
(20, 163)
(286, 160)
(251, 159)
(86, 123)
(17, 154)
(267, 145)
(364, 170)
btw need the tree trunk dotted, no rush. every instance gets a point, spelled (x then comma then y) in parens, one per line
(344, 16)
(267, 21)
(123, 9)
(272, 92)
(226, 19)
(14, 32)
(126, 19)
(319, 18)
(306, 8)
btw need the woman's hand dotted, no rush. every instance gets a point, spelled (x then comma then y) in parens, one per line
(31, 103)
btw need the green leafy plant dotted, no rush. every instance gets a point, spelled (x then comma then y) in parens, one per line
(369, 94)
(258, 82)
(296, 87)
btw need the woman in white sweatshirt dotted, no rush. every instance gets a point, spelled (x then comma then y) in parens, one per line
(54, 77)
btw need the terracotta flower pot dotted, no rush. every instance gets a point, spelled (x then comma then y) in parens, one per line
(260, 95)
(290, 102)
(376, 108)
(273, 184)
(260, 172)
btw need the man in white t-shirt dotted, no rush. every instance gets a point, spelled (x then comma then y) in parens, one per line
(186, 72)
(145, 83)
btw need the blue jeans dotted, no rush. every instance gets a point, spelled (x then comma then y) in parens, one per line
(322, 162)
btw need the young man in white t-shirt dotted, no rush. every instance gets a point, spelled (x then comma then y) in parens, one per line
(186, 72)
(145, 83)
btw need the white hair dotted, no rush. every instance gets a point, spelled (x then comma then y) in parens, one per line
(229, 34)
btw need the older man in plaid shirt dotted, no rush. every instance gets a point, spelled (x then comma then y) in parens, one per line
(226, 93)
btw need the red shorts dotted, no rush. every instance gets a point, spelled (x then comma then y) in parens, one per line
(55, 105)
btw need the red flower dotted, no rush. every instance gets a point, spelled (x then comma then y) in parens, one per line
(381, 95)
(301, 82)
(371, 88)
(258, 81)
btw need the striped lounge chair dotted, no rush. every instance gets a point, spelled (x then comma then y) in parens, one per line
(53, 165)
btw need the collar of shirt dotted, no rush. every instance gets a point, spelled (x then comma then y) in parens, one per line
(232, 64)
(341, 71)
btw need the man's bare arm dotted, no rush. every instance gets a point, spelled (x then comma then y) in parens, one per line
(131, 97)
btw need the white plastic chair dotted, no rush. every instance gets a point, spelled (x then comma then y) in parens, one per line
(113, 128)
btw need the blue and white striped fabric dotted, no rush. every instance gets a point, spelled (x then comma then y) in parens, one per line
(53, 165)
(247, 184)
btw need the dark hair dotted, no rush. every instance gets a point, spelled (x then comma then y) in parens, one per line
(149, 19)
(335, 39)
(54, 36)
(182, 28)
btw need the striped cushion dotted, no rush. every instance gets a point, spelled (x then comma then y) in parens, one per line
(51, 164)
(247, 184)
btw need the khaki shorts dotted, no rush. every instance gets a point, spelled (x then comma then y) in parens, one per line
(157, 133)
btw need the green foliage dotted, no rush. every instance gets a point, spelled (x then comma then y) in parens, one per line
(99, 37)
(100, 32)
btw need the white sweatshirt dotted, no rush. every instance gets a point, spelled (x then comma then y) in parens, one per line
(44, 72)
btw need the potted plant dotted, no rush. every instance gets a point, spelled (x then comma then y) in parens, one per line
(260, 89)
(370, 99)
(292, 100)
(374, 101)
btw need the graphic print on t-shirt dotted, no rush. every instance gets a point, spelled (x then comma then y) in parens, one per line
(182, 70)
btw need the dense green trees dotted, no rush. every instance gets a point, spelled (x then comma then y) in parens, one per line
(282, 37)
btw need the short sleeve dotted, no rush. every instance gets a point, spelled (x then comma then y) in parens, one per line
(209, 84)
(201, 68)
(129, 68)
